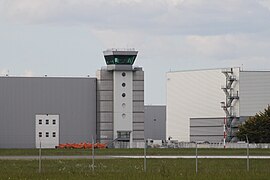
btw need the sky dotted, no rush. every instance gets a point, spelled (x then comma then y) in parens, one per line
(67, 37)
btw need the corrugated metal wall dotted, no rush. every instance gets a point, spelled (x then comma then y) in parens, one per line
(206, 129)
(105, 105)
(155, 122)
(254, 92)
(138, 105)
(21, 98)
(192, 94)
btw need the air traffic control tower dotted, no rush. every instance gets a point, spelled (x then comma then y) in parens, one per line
(120, 99)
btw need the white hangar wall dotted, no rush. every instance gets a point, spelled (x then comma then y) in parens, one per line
(193, 100)
(192, 94)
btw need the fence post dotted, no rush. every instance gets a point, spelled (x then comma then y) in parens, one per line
(93, 155)
(145, 155)
(224, 133)
(39, 159)
(247, 153)
(196, 158)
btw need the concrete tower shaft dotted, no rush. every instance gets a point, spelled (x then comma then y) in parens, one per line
(121, 114)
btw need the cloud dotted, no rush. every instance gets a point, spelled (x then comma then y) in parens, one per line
(4, 72)
(186, 29)
(219, 46)
(28, 73)
(248, 63)
(230, 46)
(265, 3)
(174, 17)
(79, 11)
(177, 34)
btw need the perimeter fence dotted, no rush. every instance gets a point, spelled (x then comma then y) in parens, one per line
(168, 160)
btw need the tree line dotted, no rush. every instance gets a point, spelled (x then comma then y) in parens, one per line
(256, 128)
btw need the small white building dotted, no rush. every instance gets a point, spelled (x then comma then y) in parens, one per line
(198, 101)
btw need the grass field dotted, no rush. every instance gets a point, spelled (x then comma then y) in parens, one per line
(152, 151)
(133, 169)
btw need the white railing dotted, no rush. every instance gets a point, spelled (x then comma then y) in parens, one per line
(220, 145)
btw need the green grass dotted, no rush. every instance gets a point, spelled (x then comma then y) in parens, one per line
(152, 151)
(133, 169)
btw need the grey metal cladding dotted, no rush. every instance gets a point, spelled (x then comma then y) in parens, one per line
(138, 126)
(138, 117)
(254, 92)
(98, 129)
(155, 122)
(106, 126)
(138, 134)
(104, 75)
(104, 95)
(138, 96)
(206, 122)
(104, 85)
(74, 99)
(105, 117)
(105, 106)
(138, 85)
(138, 75)
(138, 106)
(206, 130)
(211, 139)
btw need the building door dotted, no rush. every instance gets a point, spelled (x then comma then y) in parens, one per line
(47, 131)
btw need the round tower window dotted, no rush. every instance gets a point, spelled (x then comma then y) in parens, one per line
(123, 84)
(123, 74)
(124, 95)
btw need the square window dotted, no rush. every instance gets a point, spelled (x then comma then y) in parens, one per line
(54, 134)
(47, 121)
(40, 134)
(54, 121)
(47, 134)
(40, 121)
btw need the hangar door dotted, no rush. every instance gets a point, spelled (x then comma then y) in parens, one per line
(47, 131)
